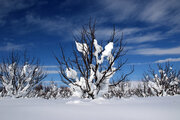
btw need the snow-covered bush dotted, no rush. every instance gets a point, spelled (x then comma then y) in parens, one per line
(53, 91)
(19, 74)
(89, 71)
(128, 89)
(123, 89)
(142, 90)
(50, 91)
(164, 82)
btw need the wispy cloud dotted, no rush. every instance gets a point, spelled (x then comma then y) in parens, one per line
(8, 6)
(107, 32)
(158, 61)
(51, 72)
(104, 33)
(11, 46)
(50, 66)
(140, 46)
(157, 51)
(130, 31)
(118, 9)
(149, 11)
(141, 63)
(58, 25)
(168, 60)
(161, 11)
(50, 69)
(155, 11)
(145, 38)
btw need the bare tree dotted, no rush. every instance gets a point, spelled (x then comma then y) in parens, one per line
(19, 74)
(89, 71)
(164, 82)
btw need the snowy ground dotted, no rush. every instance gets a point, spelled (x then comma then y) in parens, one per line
(152, 108)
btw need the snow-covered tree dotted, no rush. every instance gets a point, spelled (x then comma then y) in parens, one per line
(89, 71)
(57, 92)
(165, 82)
(19, 74)
(127, 89)
(123, 89)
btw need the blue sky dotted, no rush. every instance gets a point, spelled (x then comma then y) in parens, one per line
(151, 28)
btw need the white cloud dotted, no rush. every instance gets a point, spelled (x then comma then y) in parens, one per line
(168, 60)
(157, 51)
(140, 63)
(158, 61)
(50, 66)
(11, 46)
(8, 6)
(118, 9)
(130, 31)
(132, 34)
(57, 25)
(161, 10)
(140, 46)
(158, 12)
(145, 38)
(149, 11)
(51, 71)
(105, 33)
(155, 11)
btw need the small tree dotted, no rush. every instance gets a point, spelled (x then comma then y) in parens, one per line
(165, 82)
(89, 71)
(19, 74)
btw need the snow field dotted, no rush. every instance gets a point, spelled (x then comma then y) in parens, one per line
(152, 108)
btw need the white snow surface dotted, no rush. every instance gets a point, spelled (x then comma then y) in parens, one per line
(151, 108)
